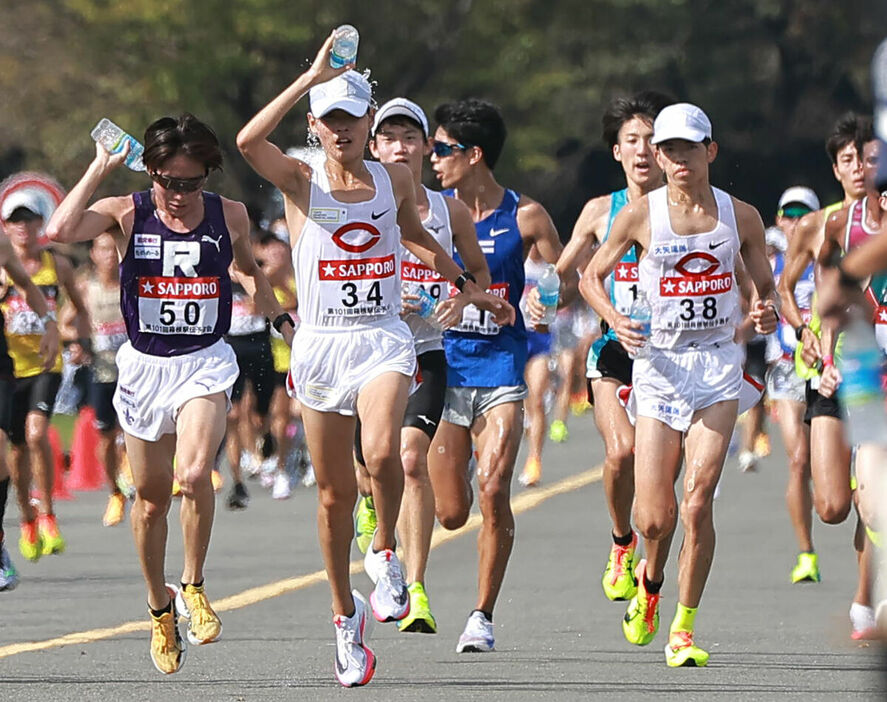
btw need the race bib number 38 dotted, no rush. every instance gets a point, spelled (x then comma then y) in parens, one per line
(178, 305)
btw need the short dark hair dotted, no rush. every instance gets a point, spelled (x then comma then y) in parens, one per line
(168, 136)
(850, 128)
(400, 121)
(474, 122)
(645, 104)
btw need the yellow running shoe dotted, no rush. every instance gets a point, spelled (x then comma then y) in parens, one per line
(420, 619)
(51, 537)
(762, 445)
(532, 472)
(579, 404)
(30, 542)
(619, 581)
(365, 523)
(217, 481)
(204, 625)
(806, 569)
(681, 651)
(167, 648)
(176, 488)
(641, 621)
(115, 510)
(558, 432)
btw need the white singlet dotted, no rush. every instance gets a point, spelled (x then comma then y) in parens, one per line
(690, 279)
(414, 272)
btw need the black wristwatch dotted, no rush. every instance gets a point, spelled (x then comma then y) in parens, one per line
(282, 319)
(464, 278)
(799, 331)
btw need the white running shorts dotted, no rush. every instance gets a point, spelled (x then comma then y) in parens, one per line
(671, 385)
(463, 405)
(329, 367)
(783, 383)
(152, 389)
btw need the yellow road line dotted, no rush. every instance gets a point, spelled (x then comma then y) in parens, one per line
(521, 503)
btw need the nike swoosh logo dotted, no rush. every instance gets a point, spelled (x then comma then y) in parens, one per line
(714, 246)
(497, 232)
(375, 215)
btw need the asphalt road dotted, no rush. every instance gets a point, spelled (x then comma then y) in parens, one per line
(76, 627)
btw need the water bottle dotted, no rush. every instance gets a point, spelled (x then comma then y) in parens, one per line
(642, 313)
(113, 139)
(861, 362)
(549, 287)
(344, 49)
(427, 303)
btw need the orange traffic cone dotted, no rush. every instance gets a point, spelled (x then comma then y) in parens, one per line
(60, 488)
(87, 471)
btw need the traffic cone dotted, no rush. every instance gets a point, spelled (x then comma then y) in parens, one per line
(60, 488)
(87, 471)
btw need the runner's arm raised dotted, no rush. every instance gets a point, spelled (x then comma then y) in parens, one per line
(802, 249)
(587, 234)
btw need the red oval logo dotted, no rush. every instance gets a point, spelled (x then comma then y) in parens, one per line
(339, 234)
(681, 266)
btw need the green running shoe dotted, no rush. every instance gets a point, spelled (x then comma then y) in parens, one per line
(681, 651)
(420, 619)
(806, 569)
(641, 621)
(365, 523)
(558, 432)
(619, 579)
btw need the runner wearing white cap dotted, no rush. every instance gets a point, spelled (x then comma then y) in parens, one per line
(352, 353)
(688, 375)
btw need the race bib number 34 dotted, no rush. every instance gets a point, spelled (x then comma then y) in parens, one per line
(178, 305)
(358, 287)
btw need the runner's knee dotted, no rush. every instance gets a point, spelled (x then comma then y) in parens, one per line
(415, 467)
(832, 509)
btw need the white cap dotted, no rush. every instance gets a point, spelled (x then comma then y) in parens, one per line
(681, 121)
(801, 195)
(776, 238)
(401, 107)
(349, 91)
(29, 198)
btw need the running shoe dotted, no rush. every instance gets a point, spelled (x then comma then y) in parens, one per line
(390, 600)
(365, 523)
(115, 510)
(532, 472)
(8, 573)
(806, 569)
(681, 651)
(176, 488)
(51, 538)
(558, 432)
(762, 445)
(863, 623)
(641, 621)
(217, 480)
(204, 625)
(282, 489)
(168, 650)
(238, 498)
(619, 581)
(355, 661)
(420, 619)
(579, 404)
(30, 543)
(748, 462)
(477, 636)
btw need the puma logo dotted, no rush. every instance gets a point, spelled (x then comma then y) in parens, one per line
(215, 242)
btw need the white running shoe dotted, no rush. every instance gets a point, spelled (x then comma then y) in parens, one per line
(863, 624)
(748, 462)
(355, 662)
(478, 635)
(390, 599)
(281, 489)
(8, 573)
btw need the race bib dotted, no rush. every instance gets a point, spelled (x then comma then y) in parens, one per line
(109, 336)
(694, 295)
(21, 319)
(625, 286)
(178, 305)
(361, 287)
(478, 321)
(881, 327)
(427, 278)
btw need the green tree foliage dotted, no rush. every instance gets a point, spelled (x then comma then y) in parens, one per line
(772, 74)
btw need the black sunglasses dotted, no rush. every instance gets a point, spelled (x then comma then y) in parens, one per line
(179, 185)
(442, 149)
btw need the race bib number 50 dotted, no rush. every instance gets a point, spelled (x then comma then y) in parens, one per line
(478, 321)
(178, 305)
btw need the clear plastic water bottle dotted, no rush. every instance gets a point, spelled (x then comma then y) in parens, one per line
(344, 49)
(861, 363)
(113, 139)
(642, 313)
(426, 303)
(549, 287)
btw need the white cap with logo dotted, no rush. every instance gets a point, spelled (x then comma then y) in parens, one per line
(349, 91)
(401, 107)
(801, 195)
(29, 198)
(681, 121)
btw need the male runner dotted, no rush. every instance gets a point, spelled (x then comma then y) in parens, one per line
(485, 378)
(175, 242)
(688, 376)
